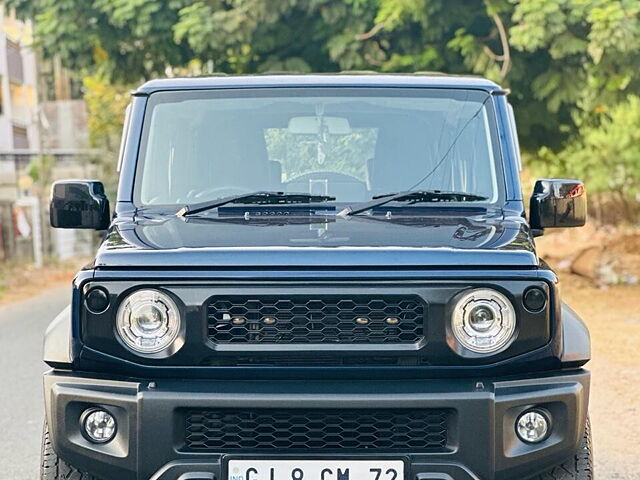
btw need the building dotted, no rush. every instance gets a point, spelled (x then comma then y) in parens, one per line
(18, 85)
(43, 128)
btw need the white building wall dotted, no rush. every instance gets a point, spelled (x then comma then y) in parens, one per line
(21, 109)
(6, 137)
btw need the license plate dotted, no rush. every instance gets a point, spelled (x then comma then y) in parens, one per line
(316, 470)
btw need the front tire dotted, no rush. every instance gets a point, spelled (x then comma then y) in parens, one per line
(53, 467)
(580, 467)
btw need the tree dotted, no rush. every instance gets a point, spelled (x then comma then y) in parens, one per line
(106, 104)
(558, 56)
(606, 155)
(125, 39)
(567, 62)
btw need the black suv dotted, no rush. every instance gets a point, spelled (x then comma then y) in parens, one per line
(326, 277)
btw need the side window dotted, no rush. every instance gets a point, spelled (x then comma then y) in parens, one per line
(514, 134)
(123, 139)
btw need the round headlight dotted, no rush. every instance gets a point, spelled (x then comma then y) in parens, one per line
(148, 322)
(484, 321)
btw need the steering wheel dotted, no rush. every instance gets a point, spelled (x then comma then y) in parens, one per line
(218, 192)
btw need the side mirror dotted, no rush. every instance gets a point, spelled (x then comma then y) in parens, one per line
(558, 203)
(79, 204)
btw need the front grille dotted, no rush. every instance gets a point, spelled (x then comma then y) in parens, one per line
(317, 430)
(326, 319)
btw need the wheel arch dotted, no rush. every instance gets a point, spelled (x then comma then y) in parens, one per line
(58, 341)
(576, 340)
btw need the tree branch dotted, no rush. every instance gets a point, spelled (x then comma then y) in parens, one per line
(490, 53)
(371, 33)
(504, 39)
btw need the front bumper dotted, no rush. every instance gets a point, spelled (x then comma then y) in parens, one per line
(150, 442)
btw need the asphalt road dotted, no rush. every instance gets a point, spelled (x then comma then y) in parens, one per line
(22, 326)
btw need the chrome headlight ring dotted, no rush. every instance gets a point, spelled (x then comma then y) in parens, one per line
(148, 323)
(483, 321)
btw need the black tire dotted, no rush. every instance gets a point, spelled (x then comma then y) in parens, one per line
(54, 468)
(580, 467)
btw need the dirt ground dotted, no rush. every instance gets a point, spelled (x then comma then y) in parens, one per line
(612, 313)
(18, 282)
(613, 317)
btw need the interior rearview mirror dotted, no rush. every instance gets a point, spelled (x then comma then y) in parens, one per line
(314, 125)
(79, 204)
(558, 203)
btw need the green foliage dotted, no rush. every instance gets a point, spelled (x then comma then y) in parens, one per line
(596, 43)
(605, 154)
(571, 64)
(40, 169)
(127, 39)
(106, 104)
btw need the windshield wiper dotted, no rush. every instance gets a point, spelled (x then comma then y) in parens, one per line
(256, 198)
(413, 196)
(376, 202)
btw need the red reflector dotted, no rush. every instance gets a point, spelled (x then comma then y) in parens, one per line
(576, 191)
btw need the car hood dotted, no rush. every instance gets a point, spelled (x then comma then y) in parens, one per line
(438, 239)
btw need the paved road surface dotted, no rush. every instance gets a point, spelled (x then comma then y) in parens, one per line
(21, 412)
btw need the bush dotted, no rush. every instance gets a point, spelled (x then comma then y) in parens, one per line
(606, 155)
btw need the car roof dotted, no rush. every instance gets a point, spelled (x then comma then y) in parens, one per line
(414, 80)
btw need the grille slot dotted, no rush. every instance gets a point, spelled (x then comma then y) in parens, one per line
(326, 319)
(317, 430)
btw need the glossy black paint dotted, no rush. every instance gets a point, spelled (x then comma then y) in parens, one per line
(426, 237)
(79, 204)
(535, 332)
(558, 203)
(432, 251)
(432, 243)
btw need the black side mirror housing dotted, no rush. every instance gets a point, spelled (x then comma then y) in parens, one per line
(79, 204)
(558, 203)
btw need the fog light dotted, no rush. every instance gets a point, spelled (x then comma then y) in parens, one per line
(99, 425)
(533, 426)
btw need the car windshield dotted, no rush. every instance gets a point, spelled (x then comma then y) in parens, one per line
(349, 143)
